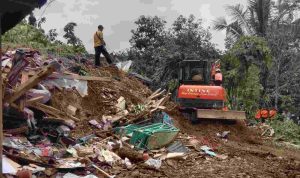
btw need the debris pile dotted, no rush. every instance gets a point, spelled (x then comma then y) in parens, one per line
(57, 121)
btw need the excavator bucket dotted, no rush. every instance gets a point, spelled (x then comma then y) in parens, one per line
(219, 114)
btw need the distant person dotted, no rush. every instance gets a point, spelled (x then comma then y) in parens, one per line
(218, 78)
(99, 45)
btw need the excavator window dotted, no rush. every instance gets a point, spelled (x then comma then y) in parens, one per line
(193, 72)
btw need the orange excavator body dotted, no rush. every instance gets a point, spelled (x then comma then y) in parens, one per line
(202, 92)
(202, 97)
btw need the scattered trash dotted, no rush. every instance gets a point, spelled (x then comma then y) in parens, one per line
(95, 123)
(9, 166)
(167, 119)
(72, 151)
(267, 130)
(171, 156)
(70, 175)
(63, 130)
(208, 151)
(124, 66)
(128, 163)
(156, 163)
(34, 168)
(79, 85)
(177, 147)
(223, 135)
(121, 105)
(222, 157)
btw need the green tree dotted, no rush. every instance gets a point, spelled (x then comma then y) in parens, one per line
(149, 33)
(70, 34)
(72, 39)
(32, 20)
(52, 35)
(157, 51)
(40, 22)
(193, 40)
(238, 67)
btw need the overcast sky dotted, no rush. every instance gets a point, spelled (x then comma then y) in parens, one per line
(118, 16)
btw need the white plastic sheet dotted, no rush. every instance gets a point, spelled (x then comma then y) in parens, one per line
(124, 66)
(70, 175)
(80, 85)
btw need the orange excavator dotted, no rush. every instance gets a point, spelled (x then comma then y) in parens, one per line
(199, 95)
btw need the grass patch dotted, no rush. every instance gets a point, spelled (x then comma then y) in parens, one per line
(286, 130)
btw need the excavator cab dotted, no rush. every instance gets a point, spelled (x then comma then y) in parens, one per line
(194, 72)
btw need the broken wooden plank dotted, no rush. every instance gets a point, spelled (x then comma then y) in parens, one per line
(79, 77)
(149, 98)
(166, 99)
(157, 91)
(119, 116)
(33, 100)
(31, 82)
(52, 111)
(157, 95)
(19, 64)
(162, 107)
(24, 77)
(157, 104)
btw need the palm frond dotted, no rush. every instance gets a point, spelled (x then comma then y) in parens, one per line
(220, 24)
(235, 29)
(238, 14)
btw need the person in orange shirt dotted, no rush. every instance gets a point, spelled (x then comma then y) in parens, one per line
(99, 45)
(218, 78)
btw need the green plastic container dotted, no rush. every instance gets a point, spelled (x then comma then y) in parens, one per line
(151, 137)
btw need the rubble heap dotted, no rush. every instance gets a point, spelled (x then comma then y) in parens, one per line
(55, 119)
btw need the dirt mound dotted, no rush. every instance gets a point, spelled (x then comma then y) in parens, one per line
(102, 97)
(208, 129)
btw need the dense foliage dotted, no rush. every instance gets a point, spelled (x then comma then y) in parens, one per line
(261, 64)
(271, 32)
(157, 51)
(286, 130)
(245, 67)
(25, 35)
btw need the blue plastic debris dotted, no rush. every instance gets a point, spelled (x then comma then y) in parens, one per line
(208, 151)
(167, 119)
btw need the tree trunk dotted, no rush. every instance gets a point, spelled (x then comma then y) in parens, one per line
(277, 83)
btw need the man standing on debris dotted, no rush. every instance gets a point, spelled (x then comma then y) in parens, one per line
(99, 45)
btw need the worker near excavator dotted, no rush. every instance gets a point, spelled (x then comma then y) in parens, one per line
(99, 45)
(218, 77)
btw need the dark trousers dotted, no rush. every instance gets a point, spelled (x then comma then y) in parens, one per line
(218, 82)
(98, 51)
